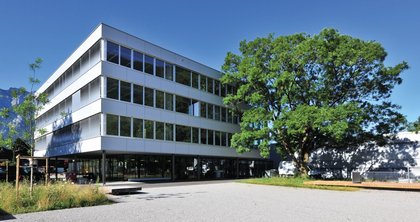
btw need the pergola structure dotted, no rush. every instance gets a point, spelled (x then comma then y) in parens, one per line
(31, 161)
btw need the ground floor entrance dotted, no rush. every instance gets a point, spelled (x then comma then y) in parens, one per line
(120, 167)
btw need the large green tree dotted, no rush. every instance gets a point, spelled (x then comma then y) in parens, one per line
(28, 105)
(414, 126)
(305, 92)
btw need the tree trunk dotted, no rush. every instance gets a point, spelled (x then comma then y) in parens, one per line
(302, 163)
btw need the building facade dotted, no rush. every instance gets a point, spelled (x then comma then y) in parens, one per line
(128, 109)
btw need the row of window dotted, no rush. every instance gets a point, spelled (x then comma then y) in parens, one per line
(141, 128)
(136, 60)
(125, 91)
(89, 58)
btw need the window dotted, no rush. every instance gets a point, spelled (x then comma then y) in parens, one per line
(160, 100)
(111, 124)
(223, 90)
(182, 104)
(223, 114)
(203, 83)
(203, 110)
(229, 114)
(148, 96)
(160, 131)
(229, 137)
(210, 140)
(194, 80)
(138, 94)
(210, 111)
(137, 128)
(217, 87)
(210, 85)
(203, 136)
(148, 64)
(194, 108)
(169, 101)
(125, 57)
(217, 113)
(182, 76)
(138, 61)
(148, 129)
(125, 126)
(217, 138)
(169, 71)
(112, 88)
(125, 91)
(223, 139)
(169, 131)
(235, 119)
(112, 52)
(195, 135)
(183, 133)
(160, 68)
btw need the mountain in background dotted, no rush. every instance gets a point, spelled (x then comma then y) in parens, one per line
(7, 101)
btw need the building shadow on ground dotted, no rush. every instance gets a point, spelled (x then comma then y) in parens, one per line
(5, 215)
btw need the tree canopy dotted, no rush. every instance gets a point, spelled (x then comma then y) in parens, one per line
(305, 92)
(414, 126)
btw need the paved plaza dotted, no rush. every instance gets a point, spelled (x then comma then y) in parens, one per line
(231, 201)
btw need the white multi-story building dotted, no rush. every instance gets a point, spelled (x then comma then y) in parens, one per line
(126, 108)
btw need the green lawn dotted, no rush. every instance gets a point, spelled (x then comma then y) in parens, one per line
(293, 182)
(51, 197)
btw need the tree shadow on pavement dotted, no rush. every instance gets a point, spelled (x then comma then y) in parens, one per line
(5, 215)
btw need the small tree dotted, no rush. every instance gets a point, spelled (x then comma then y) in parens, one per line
(306, 92)
(414, 126)
(26, 110)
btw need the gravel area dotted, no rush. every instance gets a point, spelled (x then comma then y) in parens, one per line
(244, 202)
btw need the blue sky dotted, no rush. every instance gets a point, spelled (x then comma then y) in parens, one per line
(204, 30)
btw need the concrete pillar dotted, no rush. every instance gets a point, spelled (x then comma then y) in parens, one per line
(173, 167)
(103, 167)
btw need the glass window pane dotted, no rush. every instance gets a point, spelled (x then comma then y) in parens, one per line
(210, 111)
(203, 83)
(125, 91)
(169, 101)
(217, 87)
(138, 61)
(217, 138)
(137, 128)
(148, 129)
(111, 124)
(160, 101)
(183, 133)
(210, 139)
(125, 126)
(112, 52)
(209, 85)
(217, 113)
(223, 114)
(169, 71)
(223, 90)
(194, 108)
(194, 80)
(203, 135)
(112, 88)
(229, 114)
(223, 139)
(159, 68)
(182, 104)
(195, 135)
(138, 94)
(229, 139)
(235, 119)
(148, 64)
(169, 131)
(148, 96)
(125, 57)
(183, 76)
(203, 109)
(160, 130)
